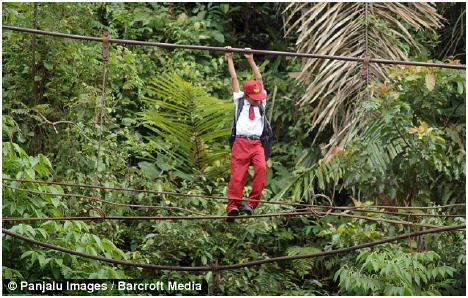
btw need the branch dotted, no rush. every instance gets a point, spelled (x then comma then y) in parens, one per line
(401, 135)
(53, 123)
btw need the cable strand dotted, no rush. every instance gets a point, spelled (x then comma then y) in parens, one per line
(239, 265)
(236, 50)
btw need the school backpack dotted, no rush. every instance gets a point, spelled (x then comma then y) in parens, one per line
(267, 135)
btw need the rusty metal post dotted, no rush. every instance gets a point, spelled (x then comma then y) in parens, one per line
(99, 107)
(215, 277)
(365, 67)
(105, 47)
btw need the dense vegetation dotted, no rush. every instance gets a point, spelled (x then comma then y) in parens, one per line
(166, 117)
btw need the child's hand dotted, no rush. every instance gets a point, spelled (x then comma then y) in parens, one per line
(228, 54)
(248, 55)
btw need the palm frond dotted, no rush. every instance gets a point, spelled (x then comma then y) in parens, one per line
(188, 124)
(340, 29)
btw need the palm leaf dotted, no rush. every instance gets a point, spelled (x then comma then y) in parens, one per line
(187, 124)
(340, 29)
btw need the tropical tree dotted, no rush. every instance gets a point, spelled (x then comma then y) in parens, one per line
(406, 145)
(26, 200)
(187, 124)
(379, 30)
(389, 270)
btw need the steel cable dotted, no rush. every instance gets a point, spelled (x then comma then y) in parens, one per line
(214, 217)
(239, 265)
(194, 212)
(222, 198)
(98, 199)
(237, 50)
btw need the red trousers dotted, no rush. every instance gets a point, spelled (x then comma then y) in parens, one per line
(244, 152)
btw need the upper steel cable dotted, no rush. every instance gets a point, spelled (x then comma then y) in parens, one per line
(237, 50)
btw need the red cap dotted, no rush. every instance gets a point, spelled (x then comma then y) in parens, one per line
(254, 90)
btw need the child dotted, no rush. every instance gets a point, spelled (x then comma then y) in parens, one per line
(246, 148)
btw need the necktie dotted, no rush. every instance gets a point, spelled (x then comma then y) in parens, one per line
(251, 112)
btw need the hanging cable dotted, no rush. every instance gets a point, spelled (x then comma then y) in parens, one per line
(223, 198)
(240, 265)
(235, 50)
(103, 201)
(213, 217)
(194, 212)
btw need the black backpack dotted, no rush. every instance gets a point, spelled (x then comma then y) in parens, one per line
(267, 135)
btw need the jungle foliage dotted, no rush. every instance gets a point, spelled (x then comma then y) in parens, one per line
(166, 117)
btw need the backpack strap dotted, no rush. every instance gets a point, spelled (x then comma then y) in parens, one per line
(260, 107)
(262, 112)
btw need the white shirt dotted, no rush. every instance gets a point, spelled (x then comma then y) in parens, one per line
(245, 126)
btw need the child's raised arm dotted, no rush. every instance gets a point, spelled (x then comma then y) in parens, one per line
(254, 67)
(232, 71)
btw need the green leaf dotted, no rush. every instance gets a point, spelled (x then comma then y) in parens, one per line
(218, 37)
(417, 279)
(98, 241)
(406, 275)
(43, 232)
(31, 174)
(58, 261)
(26, 254)
(375, 266)
(224, 8)
(460, 87)
(34, 257)
(149, 170)
(80, 249)
(30, 230)
(90, 250)
(48, 65)
(42, 260)
(55, 201)
(423, 276)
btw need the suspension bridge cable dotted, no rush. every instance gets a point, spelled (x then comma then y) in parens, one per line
(155, 218)
(220, 197)
(99, 258)
(343, 250)
(208, 197)
(239, 265)
(304, 211)
(410, 213)
(222, 49)
(203, 217)
(390, 221)
(214, 217)
(98, 199)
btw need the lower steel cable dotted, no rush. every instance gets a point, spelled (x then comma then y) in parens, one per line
(240, 265)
